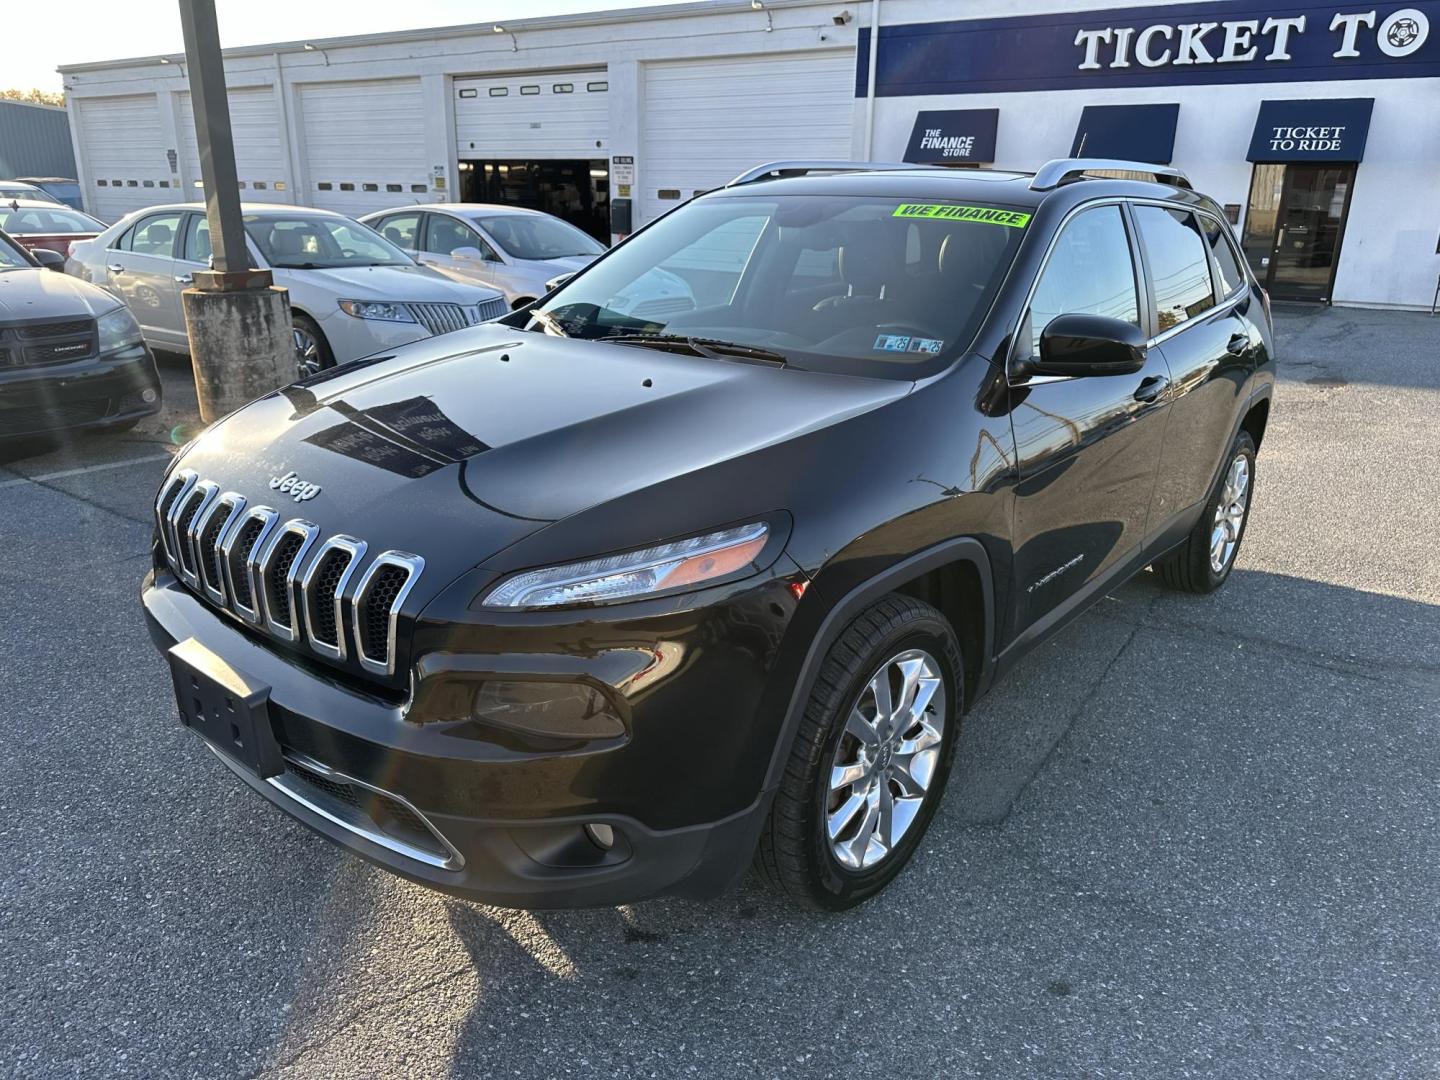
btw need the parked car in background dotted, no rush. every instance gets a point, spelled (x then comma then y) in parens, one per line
(70, 355)
(352, 292)
(516, 250)
(34, 224)
(66, 190)
(14, 189)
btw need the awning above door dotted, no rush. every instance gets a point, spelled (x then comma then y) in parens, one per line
(953, 137)
(1325, 129)
(1131, 132)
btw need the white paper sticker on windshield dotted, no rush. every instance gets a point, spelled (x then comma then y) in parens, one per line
(906, 343)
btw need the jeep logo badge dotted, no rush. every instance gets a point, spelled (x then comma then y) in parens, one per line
(293, 486)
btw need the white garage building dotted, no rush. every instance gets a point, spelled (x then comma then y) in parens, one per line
(1318, 125)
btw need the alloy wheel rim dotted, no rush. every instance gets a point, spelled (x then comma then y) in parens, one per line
(886, 760)
(1230, 514)
(307, 353)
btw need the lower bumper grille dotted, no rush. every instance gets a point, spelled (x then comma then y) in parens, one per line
(31, 420)
(378, 815)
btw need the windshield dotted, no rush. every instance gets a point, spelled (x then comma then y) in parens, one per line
(530, 236)
(11, 257)
(33, 220)
(25, 191)
(872, 286)
(320, 243)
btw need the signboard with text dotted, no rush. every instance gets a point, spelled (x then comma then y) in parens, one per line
(953, 136)
(1167, 45)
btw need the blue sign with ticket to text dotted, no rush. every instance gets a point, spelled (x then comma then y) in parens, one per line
(1168, 45)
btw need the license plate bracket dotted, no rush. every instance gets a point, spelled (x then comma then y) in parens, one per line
(225, 707)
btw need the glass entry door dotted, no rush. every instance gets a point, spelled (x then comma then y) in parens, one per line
(1294, 227)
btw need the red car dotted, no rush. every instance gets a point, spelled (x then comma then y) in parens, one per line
(34, 224)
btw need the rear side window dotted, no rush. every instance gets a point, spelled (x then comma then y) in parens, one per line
(402, 230)
(1179, 264)
(1090, 271)
(153, 236)
(197, 239)
(1227, 264)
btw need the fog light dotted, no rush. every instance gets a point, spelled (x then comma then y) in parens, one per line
(559, 710)
(148, 396)
(603, 836)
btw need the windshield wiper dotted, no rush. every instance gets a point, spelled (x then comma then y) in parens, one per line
(710, 348)
(300, 266)
(549, 322)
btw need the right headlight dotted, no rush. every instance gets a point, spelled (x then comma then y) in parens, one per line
(634, 574)
(380, 310)
(118, 329)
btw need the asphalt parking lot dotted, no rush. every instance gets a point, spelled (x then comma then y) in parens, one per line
(1188, 837)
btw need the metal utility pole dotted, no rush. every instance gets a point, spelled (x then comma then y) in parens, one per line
(241, 340)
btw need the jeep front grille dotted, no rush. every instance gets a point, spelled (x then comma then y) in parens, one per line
(281, 576)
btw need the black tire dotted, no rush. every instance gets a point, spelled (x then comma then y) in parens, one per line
(324, 358)
(795, 856)
(1189, 567)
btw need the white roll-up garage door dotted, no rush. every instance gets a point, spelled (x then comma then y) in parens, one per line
(123, 148)
(564, 115)
(259, 149)
(707, 120)
(364, 144)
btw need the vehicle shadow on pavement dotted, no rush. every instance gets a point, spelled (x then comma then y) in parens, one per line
(1168, 811)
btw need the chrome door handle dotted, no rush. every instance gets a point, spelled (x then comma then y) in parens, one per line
(115, 268)
(1151, 388)
(1238, 344)
(184, 279)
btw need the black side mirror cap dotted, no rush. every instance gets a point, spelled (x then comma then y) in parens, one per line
(50, 260)
(1080, 345)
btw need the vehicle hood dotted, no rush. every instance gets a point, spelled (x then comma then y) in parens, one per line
(490, 434)
(405, 283)
(43, 294)
(549, 268)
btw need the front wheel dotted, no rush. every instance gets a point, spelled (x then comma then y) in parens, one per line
(1203, 562)
(870, 760)
(312, 351)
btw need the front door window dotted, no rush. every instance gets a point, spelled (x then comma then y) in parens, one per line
(1294, 226)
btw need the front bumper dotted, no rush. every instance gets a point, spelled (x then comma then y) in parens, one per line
(94, 392)
(506, 820)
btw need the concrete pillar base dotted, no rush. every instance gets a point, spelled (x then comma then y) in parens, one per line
(241, 346)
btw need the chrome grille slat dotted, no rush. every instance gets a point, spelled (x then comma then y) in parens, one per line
(441, 318)
(378, 656)
(279, 570)
(326, 633)
(282, 576)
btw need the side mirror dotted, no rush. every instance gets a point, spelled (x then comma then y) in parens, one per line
(467, 252)
(555, 282)
(1087, 345)
(50, 260)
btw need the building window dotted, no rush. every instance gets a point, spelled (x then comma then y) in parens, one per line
(324, 185)
(597, 87)
(499, 91)
(563, 88)
(346, 185)
(102, 183)
(529, 90)
(369, 187)
(163, 183)
(197, 183)
(117, 183)
(668, 193)
(419, 189)
(469, 93)
(240, 184)
(259, 185)
(394, 187)
(132, 183)
(279, 185)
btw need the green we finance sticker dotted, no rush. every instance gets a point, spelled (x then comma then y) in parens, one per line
(985, 214)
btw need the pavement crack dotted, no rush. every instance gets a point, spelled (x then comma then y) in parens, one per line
(320, 1042)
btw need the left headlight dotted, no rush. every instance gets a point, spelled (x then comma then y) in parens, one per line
(662, 568)
(383, 310)
(118, 330)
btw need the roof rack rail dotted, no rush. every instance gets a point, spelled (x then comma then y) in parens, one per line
(1054, 173)
(776, 169)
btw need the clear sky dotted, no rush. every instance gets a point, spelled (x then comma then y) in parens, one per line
(78, 31)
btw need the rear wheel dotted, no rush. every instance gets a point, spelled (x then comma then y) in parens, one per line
(1204, 561)
(870, 760)
(312, 351)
